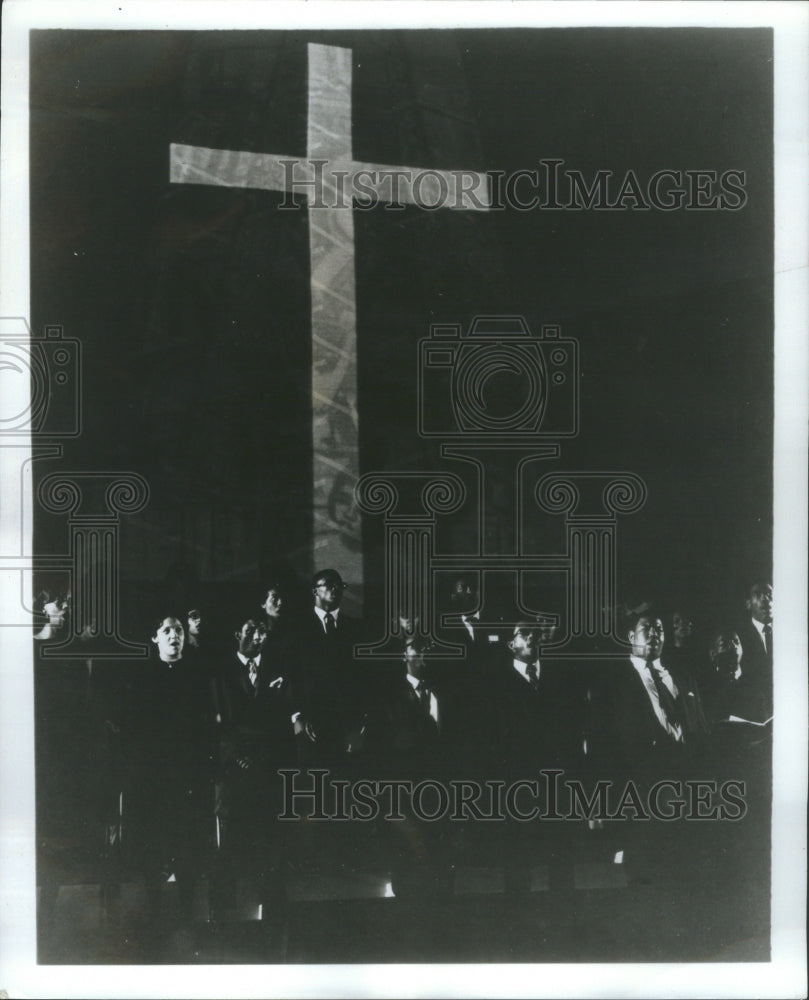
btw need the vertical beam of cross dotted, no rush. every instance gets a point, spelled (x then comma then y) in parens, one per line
(335, 431)
(328, 179)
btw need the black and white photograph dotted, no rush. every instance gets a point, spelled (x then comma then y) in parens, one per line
(403, 444)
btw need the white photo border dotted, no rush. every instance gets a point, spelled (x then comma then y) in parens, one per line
(785, 975)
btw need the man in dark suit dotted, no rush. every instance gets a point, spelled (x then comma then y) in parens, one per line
(727, 697)
(654, 728)
(255, 741)
(681, 651)
(462, 617)
(534, 723)
(274, 618)
(168, 739)
(656, 713)
(328, 695)
(421, 742)
(468, 675)
(753, 699)
(534, 719)
(422, 713)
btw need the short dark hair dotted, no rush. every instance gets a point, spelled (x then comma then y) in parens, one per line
(722, 629)
(329, 576)
(421, 644)
(157, 621)
(241, 620)
(643, 610)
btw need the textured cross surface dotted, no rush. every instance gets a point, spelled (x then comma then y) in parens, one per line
(328, 177)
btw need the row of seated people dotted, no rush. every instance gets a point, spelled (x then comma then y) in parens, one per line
(200, 735)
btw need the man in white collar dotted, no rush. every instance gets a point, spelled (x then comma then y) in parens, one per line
(655, 729)
(463, 600)
(417, 677)
(416, 714)
(328, 690)
(328, 589)
(647, 638)
(655, 710)
(463, 628)
(537, 721)
(255, 741)
(756, 634)
(250, 641)
(524, 646)
(759, 606)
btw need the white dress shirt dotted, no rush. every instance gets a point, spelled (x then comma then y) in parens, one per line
(414, 683)
(469, 622)
(643, 668)
(759, 627)
(522, 669)
(321, 614)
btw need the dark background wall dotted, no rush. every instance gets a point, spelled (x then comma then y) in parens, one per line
(192, 303)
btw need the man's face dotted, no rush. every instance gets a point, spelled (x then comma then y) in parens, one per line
(726, 650)
(328, 592)
(272, 604)
(546, 634)
(250, 638)
(169, 639)
(408, 625)
(647, 638)
(524, 644)
(414, 659)
(194, 623)
(759, 603)
(463, 595)
(681, 626)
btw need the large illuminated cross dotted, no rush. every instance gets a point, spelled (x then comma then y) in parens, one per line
(328, 177)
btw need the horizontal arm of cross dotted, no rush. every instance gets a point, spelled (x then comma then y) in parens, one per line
(333, 183)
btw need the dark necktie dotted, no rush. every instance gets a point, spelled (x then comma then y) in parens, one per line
(667, 700)
(532, 673)
(768, 640)
(330, 623)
